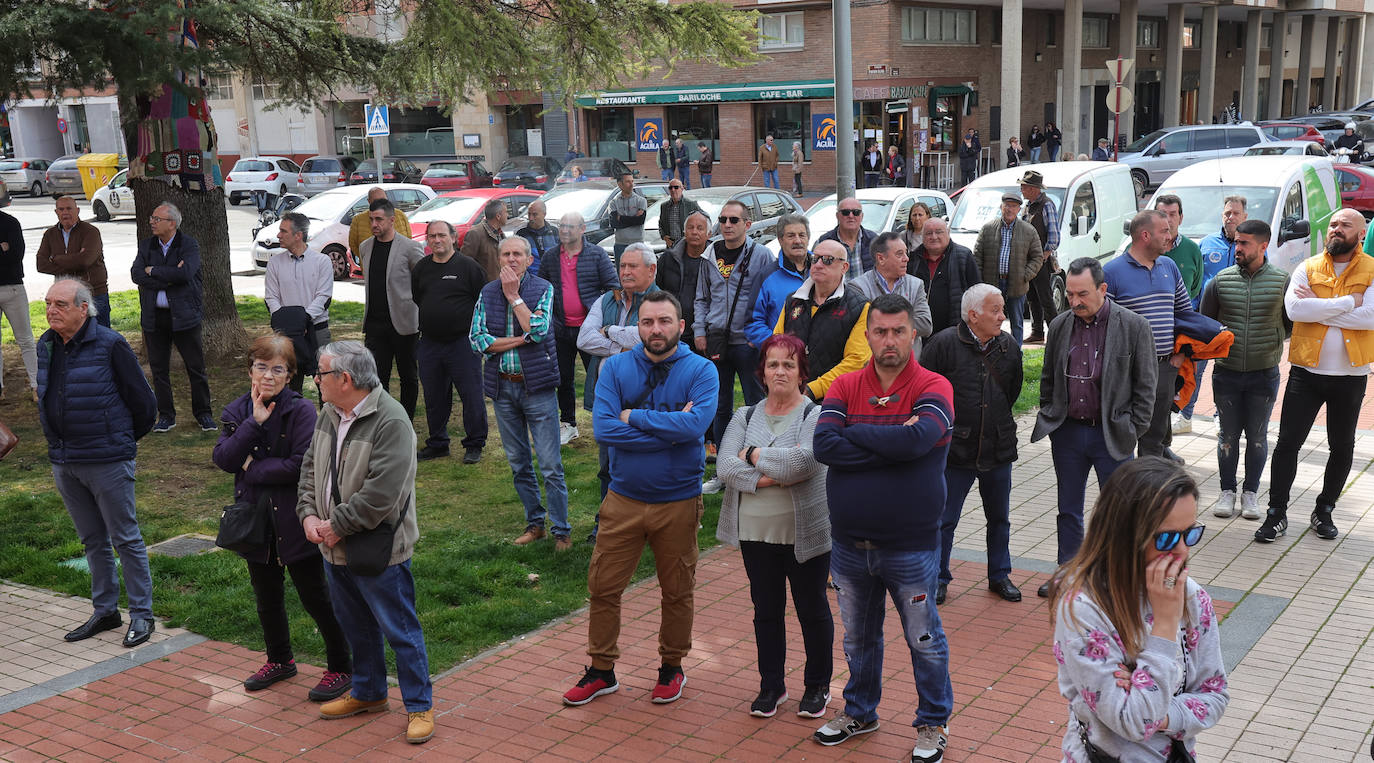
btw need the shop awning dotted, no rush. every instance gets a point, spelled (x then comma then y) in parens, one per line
(943, 91)
(758, 91)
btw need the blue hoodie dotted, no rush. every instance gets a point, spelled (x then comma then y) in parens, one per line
(658, 456)
(1218, 253)
(773, 293)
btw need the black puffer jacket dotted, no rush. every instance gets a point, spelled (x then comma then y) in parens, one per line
(986, 384)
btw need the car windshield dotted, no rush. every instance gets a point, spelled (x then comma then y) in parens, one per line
(320, 165)
(455, 209)
(585, 201)
(328, 206)
(1141, 143)
(1259, 205)
(371, 166)
(823, 216)
(252, 166)
(523, 163)
(979, 205)
(593, 169)
(63, 164)
(11, 165)
(1273, 150)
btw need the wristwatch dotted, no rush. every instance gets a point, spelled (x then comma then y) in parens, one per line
(518, 301)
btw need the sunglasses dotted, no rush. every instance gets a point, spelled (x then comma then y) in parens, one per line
(1167, 540)
(732, 220)
(824, 259)
(851, 212)
(675, 187)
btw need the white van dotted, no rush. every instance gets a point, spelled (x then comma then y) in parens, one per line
(1295, 195)
(1100, 200)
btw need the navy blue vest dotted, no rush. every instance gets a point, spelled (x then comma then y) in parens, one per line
(93, 424)
(538, 361)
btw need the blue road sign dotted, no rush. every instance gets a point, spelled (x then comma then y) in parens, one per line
(378, 121)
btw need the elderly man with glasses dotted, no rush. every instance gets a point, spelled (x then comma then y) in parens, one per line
(672, 216)
(857, 240)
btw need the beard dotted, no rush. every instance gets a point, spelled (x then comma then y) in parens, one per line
(658, 345)
(1339, 246)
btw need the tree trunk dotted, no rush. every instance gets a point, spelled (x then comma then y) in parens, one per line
(205, 220)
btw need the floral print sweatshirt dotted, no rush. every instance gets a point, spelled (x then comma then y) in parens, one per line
(1183, 681)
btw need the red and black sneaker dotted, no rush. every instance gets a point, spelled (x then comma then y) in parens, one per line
(331, 686)
(670, 683)
(594, 683)
(269, 674)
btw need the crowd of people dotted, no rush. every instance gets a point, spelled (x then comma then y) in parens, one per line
(871, 365)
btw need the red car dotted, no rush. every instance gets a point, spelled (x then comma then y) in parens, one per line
(1357, 188)
(463, 209)
(1292, 131)
(456, 175)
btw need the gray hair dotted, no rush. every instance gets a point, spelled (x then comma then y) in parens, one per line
(791, 219)
(173, 213)
(572, 218)
(975, 297)
(520, 241)
(83, 294)
(352, 358)
(493, 208)
(1234, 198)
(646, 253)
(705, 217)
(299, 223)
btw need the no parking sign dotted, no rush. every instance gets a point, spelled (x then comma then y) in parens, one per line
(61, 125)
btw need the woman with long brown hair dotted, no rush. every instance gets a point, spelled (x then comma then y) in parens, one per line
(1136, 640)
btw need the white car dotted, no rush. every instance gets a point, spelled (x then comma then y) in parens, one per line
(113, 198)
(885, 209)
(330, 214)
(274, 174)
(1287, 148)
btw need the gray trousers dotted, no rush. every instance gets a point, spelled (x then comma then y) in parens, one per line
(100, 500)
(1160, 433)
(14, 303)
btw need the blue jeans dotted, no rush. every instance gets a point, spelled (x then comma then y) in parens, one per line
(1199, 369)
(706, 180)
(370, 608)
(1035, 154)
(444, 366)
(994, 485)
(520, 418)
(100, 500)
(861, 578)
(739, 360)
(770, 179)
(685, 175)
(102, 301)
(665, 173)
(1016, 316)
(1244, 401)
(1075, 448)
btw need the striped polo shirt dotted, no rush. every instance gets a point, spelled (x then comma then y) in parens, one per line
(1156, 294)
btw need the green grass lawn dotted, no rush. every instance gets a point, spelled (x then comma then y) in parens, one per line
(473, 588)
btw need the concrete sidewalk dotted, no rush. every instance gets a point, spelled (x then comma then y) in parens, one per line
(1299, 613)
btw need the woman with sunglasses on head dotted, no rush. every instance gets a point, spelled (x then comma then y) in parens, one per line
(1137, 640)
(263, 438)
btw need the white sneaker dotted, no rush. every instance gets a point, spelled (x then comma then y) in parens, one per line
(1182, 424)
(1249, 505)
(566, 433)
(711, 486)
(1226, 504)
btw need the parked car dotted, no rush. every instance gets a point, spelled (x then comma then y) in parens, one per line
(1356, 184)
(592, 199)
(1331, 124)
(1154, 157)
(330, 213)
(63, 178)
(393, 171)
(320, 173)
(275, 175)
(25, 174)
(1095, 201)
(113, 198)
(4, 194)
(1287, 148)
(1296, 195)
(529, 171)
(456, 175)
(463, 209)
(1292, 131)
(594, 168)
(885, 209)
(765, 206)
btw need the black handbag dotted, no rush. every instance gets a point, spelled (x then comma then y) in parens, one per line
(368, 552)
(246, 527)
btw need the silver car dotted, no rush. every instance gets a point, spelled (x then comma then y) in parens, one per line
(25, 174)
(64, 178)
(320, 173)
(1154, 157)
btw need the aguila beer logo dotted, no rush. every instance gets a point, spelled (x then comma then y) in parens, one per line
(826, 131)
(649, 133)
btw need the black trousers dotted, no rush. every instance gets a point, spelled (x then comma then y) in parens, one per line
(1160, 434)
(387, 346)
(159, 344)
(269, 589)
(1041, 299)
(770, 567)
(1304, 396)
(565, 343)
(444, 366)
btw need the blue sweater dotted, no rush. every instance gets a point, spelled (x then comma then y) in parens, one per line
(1218, 254)
(658, 456)
(773, 293)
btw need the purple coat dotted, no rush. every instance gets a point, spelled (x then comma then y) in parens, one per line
(277, 446)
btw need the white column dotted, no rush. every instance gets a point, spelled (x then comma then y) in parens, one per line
(1333, 46)
(1073, 77)
(1302, 89)
(1207, 72)
(1366, 62)
(1172, 93)
(1249, 77)
(1126, 49)
(1011, 69)
(1278, 37)
(1354, 61)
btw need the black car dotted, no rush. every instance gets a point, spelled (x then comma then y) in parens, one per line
(393, 171)
(529, 171)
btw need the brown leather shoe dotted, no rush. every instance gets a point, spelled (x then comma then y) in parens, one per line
(1036, 337)
(531, 535)
(562, 544)
(347, 706)
(420, 727)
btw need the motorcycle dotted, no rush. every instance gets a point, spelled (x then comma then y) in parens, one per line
(271, 207)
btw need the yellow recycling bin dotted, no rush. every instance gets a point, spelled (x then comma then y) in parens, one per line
(96, 170)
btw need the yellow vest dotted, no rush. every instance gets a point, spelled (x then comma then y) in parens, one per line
(1305, 348)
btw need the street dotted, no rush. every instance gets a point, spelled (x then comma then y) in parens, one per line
(118, 235)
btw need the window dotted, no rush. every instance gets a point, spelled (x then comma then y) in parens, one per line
(1094, 32)
(934, 26)
(612, 133)
(1293, 206)
(1147, 33)
(695, 124)
(420, 132)
(903, 214)
(1051, 30)
(1192, 33)
(1237, 137)
(781, 31)
(937, 208)
(263, 92)
(771, 205)
(219, 86)
(1266, 36)
(1084, 205)
(1175, 143)
(1350, 182)
(787, 122)
(1209, 140)
(286, 165)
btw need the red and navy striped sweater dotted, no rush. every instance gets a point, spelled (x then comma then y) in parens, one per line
(886, 482)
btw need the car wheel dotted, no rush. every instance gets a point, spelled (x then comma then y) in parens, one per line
(338, 256)
(233, 200)
(1060, 293)
(1140, 180)
(101, 213)
(36, 189)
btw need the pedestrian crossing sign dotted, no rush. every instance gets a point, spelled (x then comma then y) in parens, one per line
(378, 121)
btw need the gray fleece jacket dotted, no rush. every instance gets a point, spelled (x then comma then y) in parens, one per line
(715, 293)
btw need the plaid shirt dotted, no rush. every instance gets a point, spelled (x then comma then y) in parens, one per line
(1004, 255)
(481, 339)
(1051, 216)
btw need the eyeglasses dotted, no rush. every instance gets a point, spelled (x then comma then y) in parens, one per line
(569, 227)
(319, 374)
(155, 219)
(851, 212)
(263, 368)
(729, 219)
(1167, 540)
(824, 259)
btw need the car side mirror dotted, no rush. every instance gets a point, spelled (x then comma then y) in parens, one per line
(1295, 230)
(1126, 227)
